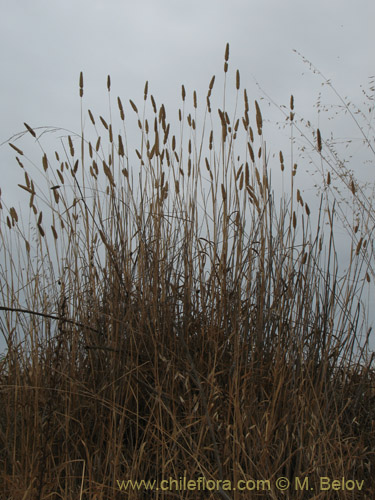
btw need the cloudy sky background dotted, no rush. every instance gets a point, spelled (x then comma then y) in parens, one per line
(45, 44)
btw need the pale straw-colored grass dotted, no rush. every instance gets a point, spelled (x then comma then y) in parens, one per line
(168, 313)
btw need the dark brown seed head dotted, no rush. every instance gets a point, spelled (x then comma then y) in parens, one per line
(227, 52)
(319, 140)
(258, 118)
(212, 83)
(19, 151)
(153, 104)
(91, 117)
(133, 106)
(81, 84)
(30, 130)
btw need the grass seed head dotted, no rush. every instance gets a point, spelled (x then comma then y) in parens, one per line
(81, 84)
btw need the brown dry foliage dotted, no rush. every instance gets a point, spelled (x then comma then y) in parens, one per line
(160, 339)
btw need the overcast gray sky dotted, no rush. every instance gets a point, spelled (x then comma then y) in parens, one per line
(44, 44)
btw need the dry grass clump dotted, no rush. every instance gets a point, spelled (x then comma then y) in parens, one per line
(168, 314)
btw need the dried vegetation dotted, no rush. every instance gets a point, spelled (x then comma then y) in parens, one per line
(168, 314)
